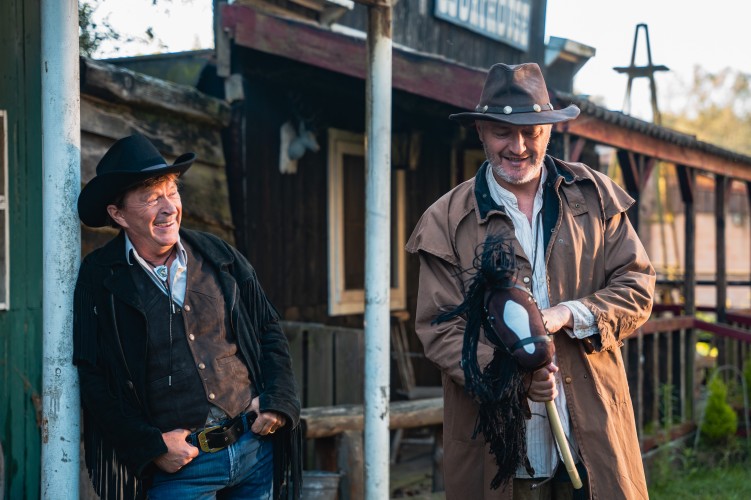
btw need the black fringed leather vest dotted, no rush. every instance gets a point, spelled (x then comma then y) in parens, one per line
(200, 366)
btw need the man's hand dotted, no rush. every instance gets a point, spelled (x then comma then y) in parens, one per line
(557, 317)
(179, 451)
(267, 422)
(542, 387)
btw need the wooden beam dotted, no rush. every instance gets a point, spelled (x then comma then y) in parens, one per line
(724, 331)
(427, 76)
(114, 83)
(687, 182)
(327, 421)
(630, 170)
(578, 148)
(661, 325)
(604, 132)
(720, 193)
(647, 168)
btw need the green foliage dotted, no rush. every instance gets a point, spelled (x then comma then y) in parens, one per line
(715, 107)
(720, 420)
(686, 473)
(90, 34)
(747, 376)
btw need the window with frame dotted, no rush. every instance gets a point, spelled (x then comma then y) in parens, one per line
(4, 222)
(346, 227)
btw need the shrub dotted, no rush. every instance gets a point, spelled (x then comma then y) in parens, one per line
(720, 421)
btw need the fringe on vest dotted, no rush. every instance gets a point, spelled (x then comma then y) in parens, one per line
(111, 479)
(288, 464)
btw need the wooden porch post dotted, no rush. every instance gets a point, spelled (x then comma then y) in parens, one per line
(686, 182)
(721, 184)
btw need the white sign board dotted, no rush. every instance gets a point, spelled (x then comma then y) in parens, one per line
(506, 21)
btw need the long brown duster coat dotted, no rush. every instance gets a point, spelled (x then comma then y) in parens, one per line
(592, 255)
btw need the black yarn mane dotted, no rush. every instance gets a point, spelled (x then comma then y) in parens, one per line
(499, 390)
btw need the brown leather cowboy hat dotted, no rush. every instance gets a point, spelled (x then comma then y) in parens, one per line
(516, 94)
(128, 162)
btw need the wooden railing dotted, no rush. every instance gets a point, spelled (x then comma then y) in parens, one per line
(328, 362)
(665, 374)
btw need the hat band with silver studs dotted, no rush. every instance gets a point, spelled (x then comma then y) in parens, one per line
(508, 110)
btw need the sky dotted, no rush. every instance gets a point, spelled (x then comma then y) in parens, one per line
(683, 33)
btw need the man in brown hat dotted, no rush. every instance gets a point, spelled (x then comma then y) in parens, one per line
(582, 261)
(186, 380)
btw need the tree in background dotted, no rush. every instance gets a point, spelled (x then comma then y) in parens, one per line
(91, 33)
(715, 107)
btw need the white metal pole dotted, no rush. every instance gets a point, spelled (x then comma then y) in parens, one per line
(377, 253)
(61, 167)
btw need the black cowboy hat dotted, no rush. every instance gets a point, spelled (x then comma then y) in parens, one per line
(128, 162)
(516, 94)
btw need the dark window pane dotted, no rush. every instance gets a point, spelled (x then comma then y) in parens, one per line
(353, 178)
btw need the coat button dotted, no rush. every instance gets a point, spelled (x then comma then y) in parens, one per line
(129, 384)
(568, 380)
(212, 396)
(191, 337)
(526, 279)
(187, 308)
(201, 366)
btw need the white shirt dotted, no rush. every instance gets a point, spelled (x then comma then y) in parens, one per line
(178, 271)
(541, 450)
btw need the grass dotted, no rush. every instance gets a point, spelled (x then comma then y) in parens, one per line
(730, 482)
(712, 472)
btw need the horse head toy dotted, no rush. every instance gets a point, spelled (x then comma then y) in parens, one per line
(508, 315)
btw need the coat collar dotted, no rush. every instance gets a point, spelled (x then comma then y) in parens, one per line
(113, 253)
(485, 203)
(120, 283)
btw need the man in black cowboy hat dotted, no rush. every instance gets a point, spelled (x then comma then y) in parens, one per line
(582, 261)
(186, 379)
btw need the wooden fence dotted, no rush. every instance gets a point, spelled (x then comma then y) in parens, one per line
(665, 373)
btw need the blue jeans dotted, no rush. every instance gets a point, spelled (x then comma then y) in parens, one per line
(244, 470)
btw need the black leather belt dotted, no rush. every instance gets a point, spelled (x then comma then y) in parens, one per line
(218, 437)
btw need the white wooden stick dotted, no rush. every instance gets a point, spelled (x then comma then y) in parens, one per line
(560, 438)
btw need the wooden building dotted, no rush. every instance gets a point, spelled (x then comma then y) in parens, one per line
(281, 173)
(291, 74)
(302, 225)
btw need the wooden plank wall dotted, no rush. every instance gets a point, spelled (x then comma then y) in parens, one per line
(282, 218)
(416, 27)
(328, 363)
(21, 325)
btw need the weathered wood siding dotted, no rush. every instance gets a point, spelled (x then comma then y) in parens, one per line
(21, 325)
(416, 27)
(281, 219)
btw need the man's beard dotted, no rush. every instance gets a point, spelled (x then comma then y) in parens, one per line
(532, 173)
